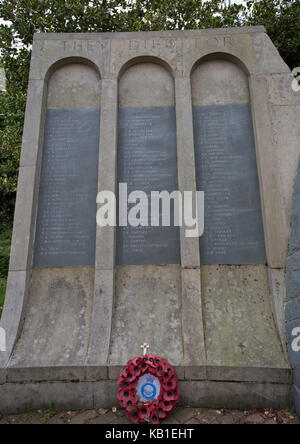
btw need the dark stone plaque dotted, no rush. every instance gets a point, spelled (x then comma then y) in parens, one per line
(292, 309)
(66, 221)
(227, 173)
(147, 161)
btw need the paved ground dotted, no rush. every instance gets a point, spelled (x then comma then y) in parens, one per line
(181, 415)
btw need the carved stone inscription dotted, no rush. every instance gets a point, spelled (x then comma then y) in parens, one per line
(147, 161)
(66, 221)
(227, 173)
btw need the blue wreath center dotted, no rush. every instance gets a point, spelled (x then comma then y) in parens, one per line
(148, 390)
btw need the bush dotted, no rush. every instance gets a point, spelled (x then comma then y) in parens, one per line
(22, 18)
(5, 240)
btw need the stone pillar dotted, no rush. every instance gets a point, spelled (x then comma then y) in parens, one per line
(192, 321)
(105, 237)
(292, 306)
(275, 226)
(25, 211)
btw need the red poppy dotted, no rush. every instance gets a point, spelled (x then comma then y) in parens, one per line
(171, 384)
(144, 412)
(162, 413)
(133, 414)
(165, 363)
(167, 406)
(136, 361)
(123, 376)
(121, 399)
(170, 395)
(160, 370)
(154, 417)
(155, 404)
(151, 360)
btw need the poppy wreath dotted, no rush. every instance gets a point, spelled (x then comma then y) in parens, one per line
(148, 389)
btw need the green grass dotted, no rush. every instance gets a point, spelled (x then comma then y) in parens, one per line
(5, 240)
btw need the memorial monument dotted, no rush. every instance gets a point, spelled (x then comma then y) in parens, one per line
(207, 110)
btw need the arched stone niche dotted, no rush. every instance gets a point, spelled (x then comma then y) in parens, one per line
(74, 86)
(234, 275)
(62, 282)
(148, 275)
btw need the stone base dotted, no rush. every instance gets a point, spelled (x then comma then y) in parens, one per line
(76, 388)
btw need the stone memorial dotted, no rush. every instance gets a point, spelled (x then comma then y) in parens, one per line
(205, 110)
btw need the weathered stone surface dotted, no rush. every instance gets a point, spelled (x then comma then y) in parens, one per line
(297, 377)
(2, 376)
(239, 326)
(105, 320)
(293, 309)
(293, 291)
(114, 371)
(48, 52)
(225, 83)
(95, 373)
(180, 371)
(267, 58)
(281, 91)
(276, 228)
(278, 295)
(101, 321)
(293, 276)
(198, 373)
(16, 398)
(58, 317)
(58, 373)
(13, 312)
(297, 399)
(247, 374)
(147, 308)
(294, 245)
(34, 124)
(105, 394)
(235, 395)
(134, 84)
(293, 340)
(286, 130)
(74, 86)
(189, 246)
(107, 176)
(22, 240)
(192, 321)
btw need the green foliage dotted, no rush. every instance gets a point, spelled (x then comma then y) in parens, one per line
(2, 293)
(282, 21)
(22, 18)
(12, 110)
(5, 239)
